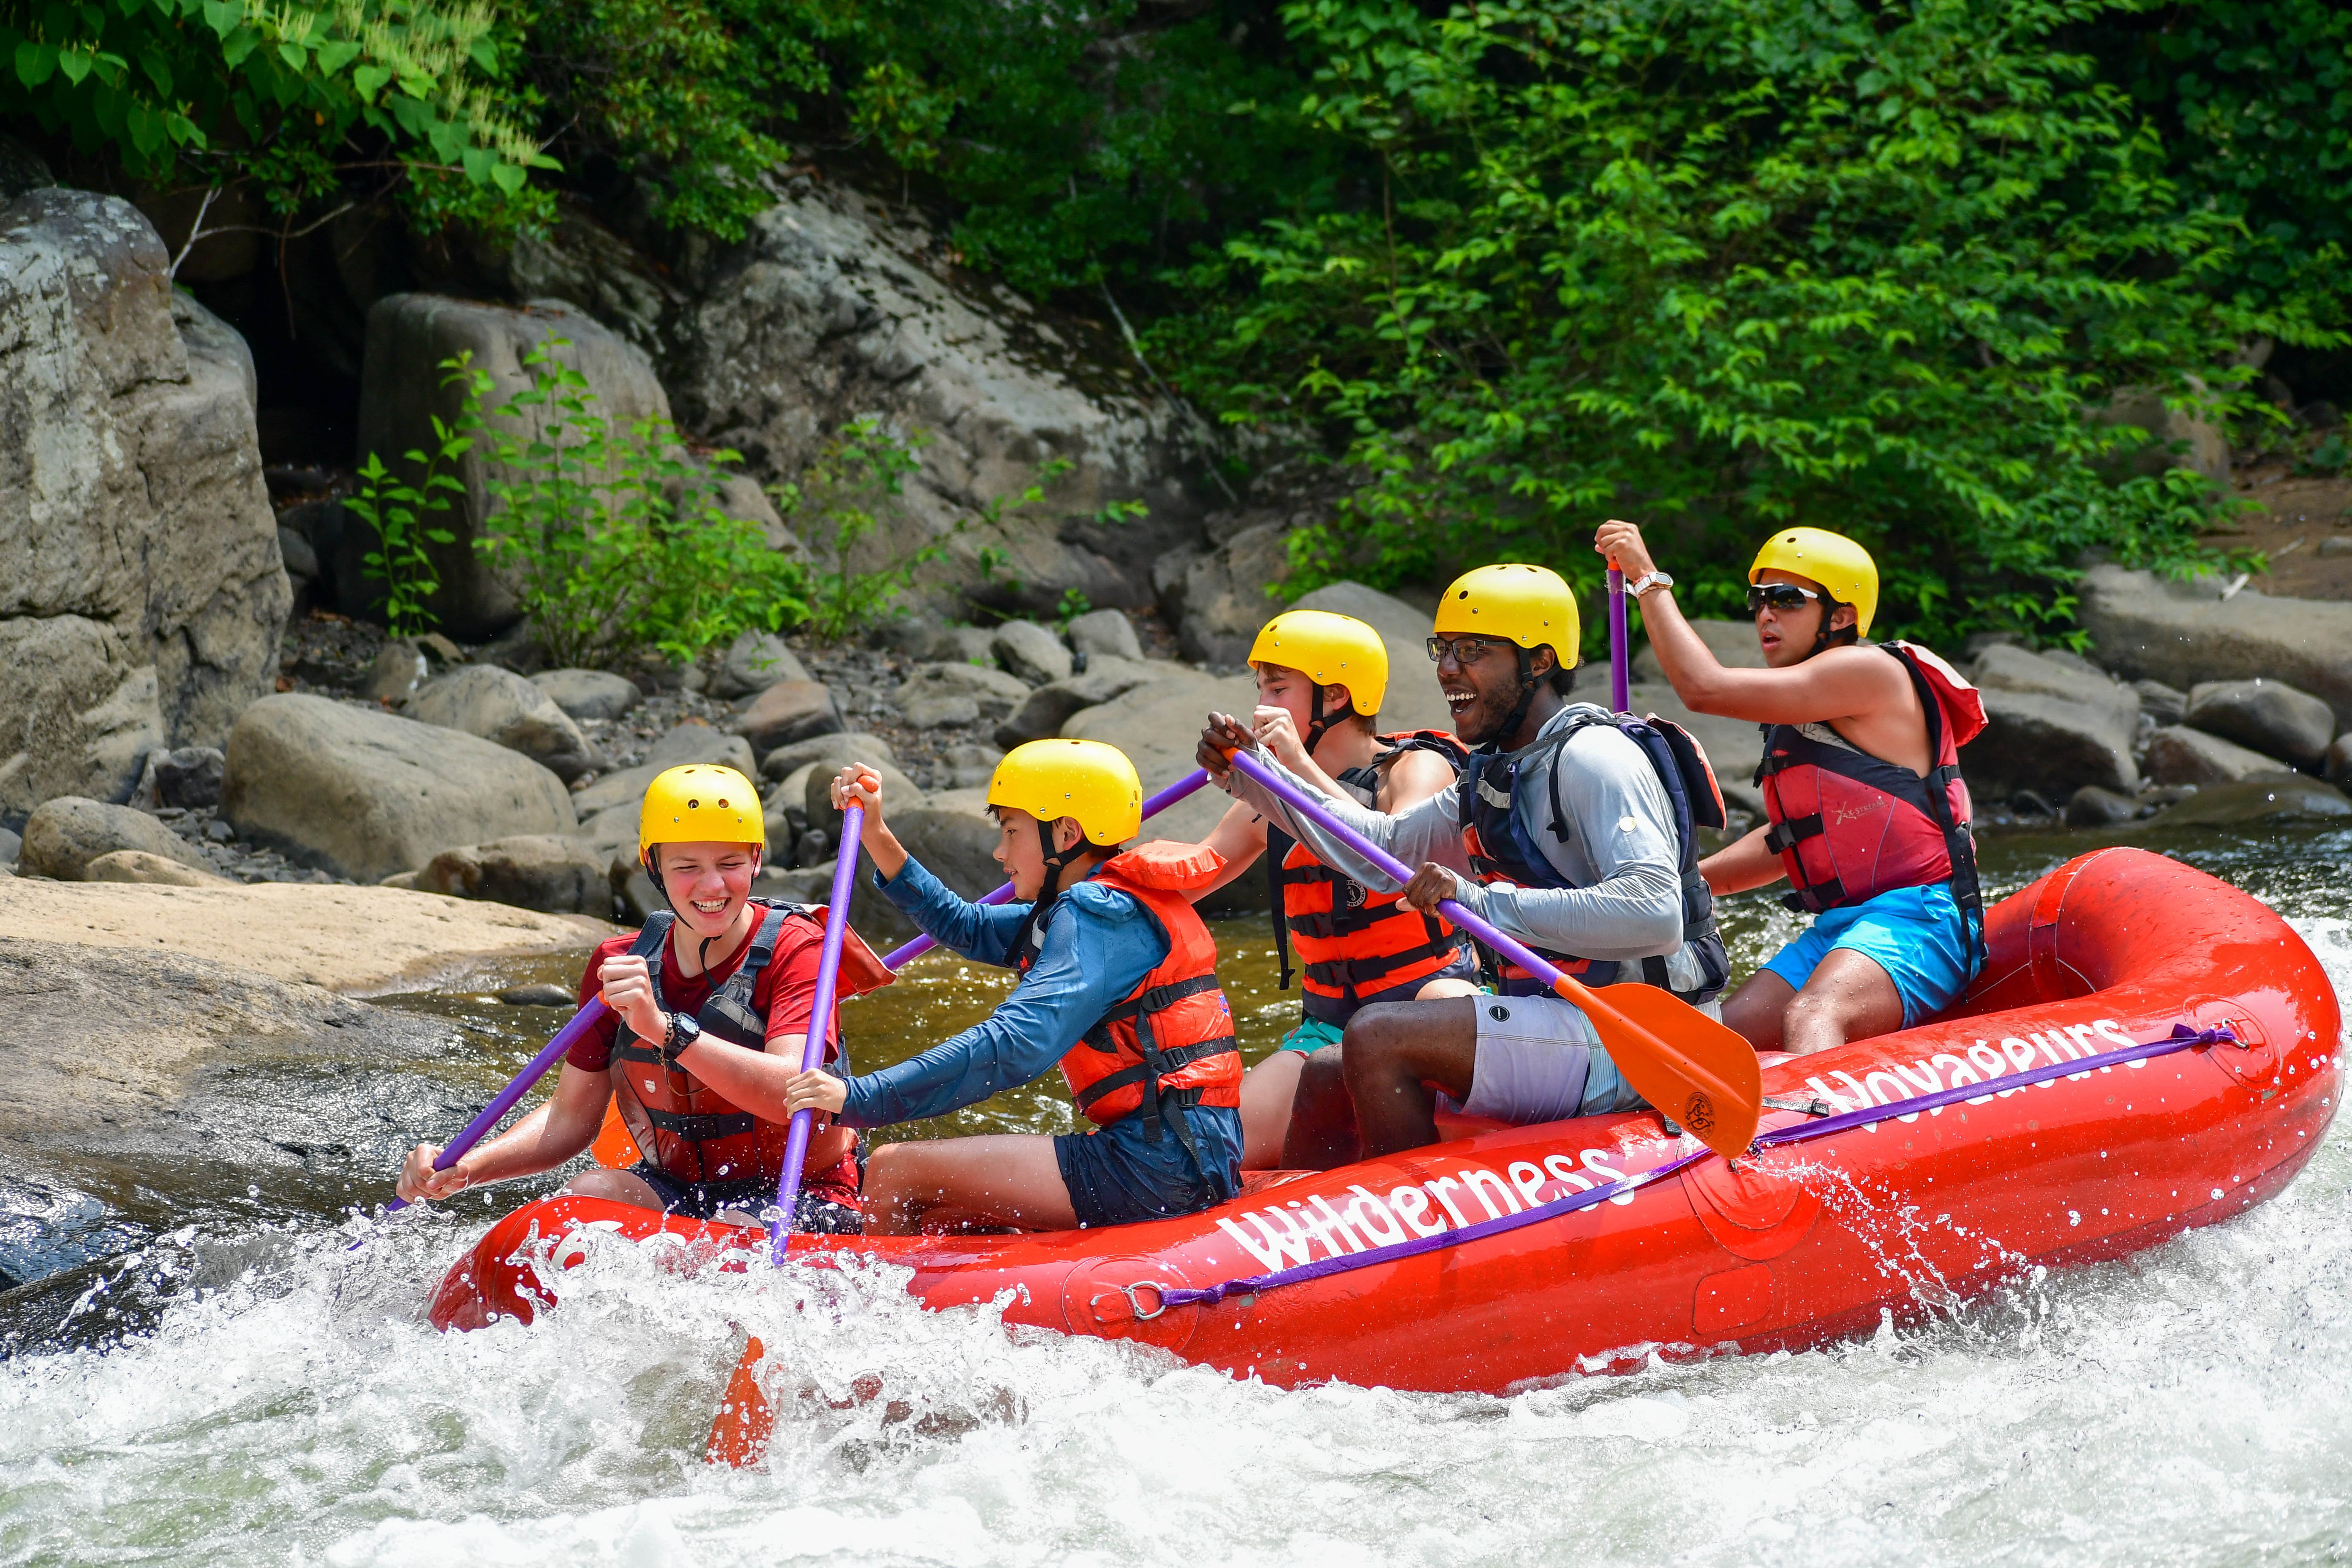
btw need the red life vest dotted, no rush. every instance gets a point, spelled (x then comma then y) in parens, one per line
(1170, 1043)
(1848, 826)
(681, 1124)
(1356, 946)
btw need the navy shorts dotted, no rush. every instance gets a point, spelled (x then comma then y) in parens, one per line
(705, 1200)
(1114, 1177)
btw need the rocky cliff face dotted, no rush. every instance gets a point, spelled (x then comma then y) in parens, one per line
(142, 590)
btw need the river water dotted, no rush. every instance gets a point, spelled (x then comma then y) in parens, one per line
(275, 1397)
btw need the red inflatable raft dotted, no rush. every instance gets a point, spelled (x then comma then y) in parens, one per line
(2148, 1050)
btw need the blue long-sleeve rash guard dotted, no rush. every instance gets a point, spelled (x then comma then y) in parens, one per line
(1100, 943)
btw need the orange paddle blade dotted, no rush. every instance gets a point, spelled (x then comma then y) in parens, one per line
(745, 1422)
(614, 1149)
(1700, 1072)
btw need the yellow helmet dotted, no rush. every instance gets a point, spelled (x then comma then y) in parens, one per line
(698, 804)
(1530, 606)
(1329, 650)
(1841, 567)
(1085, 779)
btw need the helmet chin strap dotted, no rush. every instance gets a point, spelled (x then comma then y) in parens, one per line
(1526, 698)
(1821, 634)
(1056, 862)
(1318, 721)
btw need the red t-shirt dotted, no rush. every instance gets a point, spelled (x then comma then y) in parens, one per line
(785, 994)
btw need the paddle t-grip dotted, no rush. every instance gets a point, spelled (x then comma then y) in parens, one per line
(828, 971)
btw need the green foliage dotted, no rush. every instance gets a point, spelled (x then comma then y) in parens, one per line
(614, 534)
(855, 488)
(1720, 266)
(292, 98)
(401, 513)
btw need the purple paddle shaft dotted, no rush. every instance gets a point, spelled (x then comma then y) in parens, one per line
(1299, 800)
(493, 1114)
(1151, 808)
(828, 970)
(1620, 697)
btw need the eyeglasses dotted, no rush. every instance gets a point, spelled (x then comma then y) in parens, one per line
(1780, 596)
(1463, 650)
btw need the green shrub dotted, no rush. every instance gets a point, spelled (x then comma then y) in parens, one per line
(400, 513)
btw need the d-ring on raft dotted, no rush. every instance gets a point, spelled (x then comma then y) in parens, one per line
(2148, 1050)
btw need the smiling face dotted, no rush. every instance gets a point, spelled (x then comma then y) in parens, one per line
(707, 883)
(1018, 851)
(1789, 637)
(1279, 686)
(1482, 691)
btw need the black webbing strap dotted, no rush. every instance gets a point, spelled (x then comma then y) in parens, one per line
(701, 1128)
(1783, 837)
(1277, 849)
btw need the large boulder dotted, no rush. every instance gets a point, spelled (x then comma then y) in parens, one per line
(1105, 633)
(955, 838)
(1048, 708)
(142, 590)
(1733, 644)
(753, 662)
(1157, 726)
(2182, 438)
(402, 392)
(541, 871)
(367, 794)
(816, 795)
(2147, 627)
(1217, 599)
(852, 746)
(1734, 746)
(1414, 701)
(1031, 652)
(502, 706)
(2268, 716)
(2053, 723)
(2178, 754)
(145, 869)
(931, 692)
(2257, 803)
(608, 808)
(786, 712)
(589, 693)
(834, 306)
(64, 836)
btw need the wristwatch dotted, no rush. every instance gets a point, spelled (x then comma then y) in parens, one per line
(683, 1031)
(1647, 581)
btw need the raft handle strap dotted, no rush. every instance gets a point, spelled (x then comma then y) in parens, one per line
(2182, 1038)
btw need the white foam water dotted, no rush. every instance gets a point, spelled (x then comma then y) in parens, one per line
(2190, 1404)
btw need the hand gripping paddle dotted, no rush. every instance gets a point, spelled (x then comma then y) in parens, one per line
(1696, 1070)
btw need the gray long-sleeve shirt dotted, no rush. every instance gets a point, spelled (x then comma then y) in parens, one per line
(1620, 859)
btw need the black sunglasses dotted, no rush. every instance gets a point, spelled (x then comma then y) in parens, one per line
(1465, 650)
(1781, 596)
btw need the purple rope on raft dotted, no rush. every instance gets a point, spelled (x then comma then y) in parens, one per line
(2182, 1038)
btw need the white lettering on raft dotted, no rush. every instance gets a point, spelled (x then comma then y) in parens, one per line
(1294, 1231)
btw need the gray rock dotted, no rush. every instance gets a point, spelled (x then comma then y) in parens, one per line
(1217, 600)
(2268, 716)
(2248, 802)
(2050, 744)
(398, 670)
(934, 709)
(589, 693)
(2178, 754)
(834, 306)
(787, 712)
(545, 993)
(2334, 548)
(63, 836)
(2056, 673)
(965, 645)
(851, 745)
(955, 838)
(816, 798)
(994, 693)
(301, 561)
(1157, 726)
(966, 767)
(402, 391)
(1733, 643)
(2337, 764)
(502, 706)
(1031, 652)
(2182, 438)
(143, 579)
(188, 777)
(1733, 746)
(2162, 703)
(12, 844)
(2092, 806)
(682, 744)
(1047, 708)
(753, 662)
(149, 870)
(365, 794)
(2183, 633)
(1414, 701)
(534, 872)
(1105, 633)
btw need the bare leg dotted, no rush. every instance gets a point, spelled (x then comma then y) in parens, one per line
(1266, 1092)
(615, 1186)
(1390, 1051)
(1848, 997)
(1322, 1130)
(1754, 1010)
(1432, 990)
(1006, 1179)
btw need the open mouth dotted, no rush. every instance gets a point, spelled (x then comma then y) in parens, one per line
(1461, 702)
(709, 906)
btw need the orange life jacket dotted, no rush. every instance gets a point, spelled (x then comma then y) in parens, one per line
(681, 1124)
(1170, 1044)
(1356, 946)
